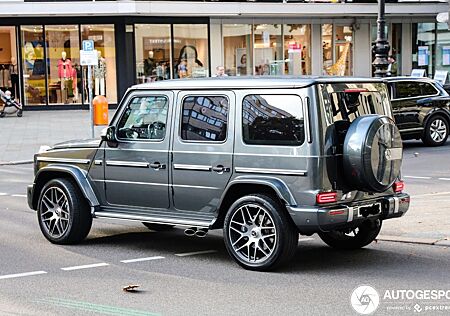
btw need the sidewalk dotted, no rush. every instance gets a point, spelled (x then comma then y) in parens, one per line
(22, 136)
(426, 222)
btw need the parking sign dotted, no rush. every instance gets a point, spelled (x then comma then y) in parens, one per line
(88, 45)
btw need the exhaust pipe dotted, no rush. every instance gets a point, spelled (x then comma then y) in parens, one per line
(190, 231)
(201, 232)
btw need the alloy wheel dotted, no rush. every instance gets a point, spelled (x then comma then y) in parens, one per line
(55, 212)
(438, 130)
(252, 233)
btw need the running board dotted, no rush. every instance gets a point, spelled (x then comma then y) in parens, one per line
(153, 219)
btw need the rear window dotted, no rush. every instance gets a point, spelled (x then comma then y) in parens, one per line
(409, 89)
(346, 102)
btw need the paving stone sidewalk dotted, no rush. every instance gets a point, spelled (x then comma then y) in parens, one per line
(22, 136)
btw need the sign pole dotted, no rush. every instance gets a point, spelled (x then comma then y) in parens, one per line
(91, 110)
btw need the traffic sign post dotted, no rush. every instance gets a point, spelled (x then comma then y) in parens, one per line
(89, 58)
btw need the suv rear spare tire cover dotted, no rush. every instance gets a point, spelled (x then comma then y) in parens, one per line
(372, 153)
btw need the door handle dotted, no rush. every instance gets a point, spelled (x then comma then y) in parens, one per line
(157, 166)
(220, 169)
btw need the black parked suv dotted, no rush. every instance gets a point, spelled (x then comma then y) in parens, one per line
(421, 109)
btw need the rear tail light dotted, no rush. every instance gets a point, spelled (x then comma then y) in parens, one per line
(399, 186)
(326, 197)
(355, 90)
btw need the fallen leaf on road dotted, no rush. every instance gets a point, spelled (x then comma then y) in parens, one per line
(130, 288)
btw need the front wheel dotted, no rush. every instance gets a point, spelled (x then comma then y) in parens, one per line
(352, 238)
(436, 131)
(63, 213)
(258, 233)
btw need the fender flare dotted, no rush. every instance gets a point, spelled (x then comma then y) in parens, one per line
(77, 174)
(436, 111)
(276, 184)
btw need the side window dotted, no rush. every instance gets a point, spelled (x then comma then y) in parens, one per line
(407, 90)
(144, 118)
(427, 89)
(204, 118)
(273, 120)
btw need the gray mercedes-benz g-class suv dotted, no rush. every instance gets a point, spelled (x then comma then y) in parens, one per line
(266, 159)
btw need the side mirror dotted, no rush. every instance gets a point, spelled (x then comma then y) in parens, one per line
(109, 135)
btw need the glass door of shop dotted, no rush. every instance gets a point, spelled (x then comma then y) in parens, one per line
(9, 67)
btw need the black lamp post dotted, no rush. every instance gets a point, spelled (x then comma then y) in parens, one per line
(381, 46)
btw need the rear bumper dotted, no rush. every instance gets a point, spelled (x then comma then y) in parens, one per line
(315, 219)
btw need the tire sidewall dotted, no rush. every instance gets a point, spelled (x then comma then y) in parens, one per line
(63, 185)
(278, 226)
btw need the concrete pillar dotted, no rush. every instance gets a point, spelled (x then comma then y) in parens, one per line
(406, 49)
(362, 55)
(316, 50)
(215, 44)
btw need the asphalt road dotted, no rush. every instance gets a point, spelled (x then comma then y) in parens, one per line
(181, 275)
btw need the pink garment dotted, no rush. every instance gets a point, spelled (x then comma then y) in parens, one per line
(65, 68)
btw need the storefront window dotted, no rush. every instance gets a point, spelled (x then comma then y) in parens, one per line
(237, 43)
(337, 50)
(190, 50)
(443, 47)
(33, 65)
(153, 44)
(268, 51)
(423, 46)
(395, 58)
(9, 69)
(297, 43)
(63, 55)
(105, 72)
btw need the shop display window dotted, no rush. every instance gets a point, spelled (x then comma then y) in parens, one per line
(9, 67)
(337, 50)
(104, 73)
(63, 64)
(268, 49)
(153, 51)
(33, 64)
(190, 56)
(424, 45)
(297, 48)
(238, 49)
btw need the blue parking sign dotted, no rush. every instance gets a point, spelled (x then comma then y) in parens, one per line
(88, 45)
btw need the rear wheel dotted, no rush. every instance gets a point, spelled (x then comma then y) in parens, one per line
(63, 213)
(436, 131)
(353, 238)
(258, 233)
(158, 227)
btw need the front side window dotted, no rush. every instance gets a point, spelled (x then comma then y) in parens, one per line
(273, 120)
(145, 118)
(204, 118)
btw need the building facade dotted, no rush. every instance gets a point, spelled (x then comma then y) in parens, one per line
(144, 41)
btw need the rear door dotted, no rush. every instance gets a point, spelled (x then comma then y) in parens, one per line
(406, 105)
(202, 149)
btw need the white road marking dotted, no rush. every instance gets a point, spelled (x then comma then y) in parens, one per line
(445, 179)
(305, 239)
(417, 177)
(19, 195)
(194, 253)
(87, 266)
(3, 194)
(141, 259)
(19, 275)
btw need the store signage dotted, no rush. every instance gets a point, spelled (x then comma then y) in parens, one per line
(418, 73)
(88, 45)
(445, 55)
(441, 76)
(88, 58)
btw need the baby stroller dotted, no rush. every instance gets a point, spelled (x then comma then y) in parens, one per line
(10, 106)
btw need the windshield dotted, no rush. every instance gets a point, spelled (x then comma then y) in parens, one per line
(346, 102)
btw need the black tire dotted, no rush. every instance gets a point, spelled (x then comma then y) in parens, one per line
(19, 113)
(436, 131)
(2, 114)
(74, 217)
(284, 242)
(341, 239)
(158, 227)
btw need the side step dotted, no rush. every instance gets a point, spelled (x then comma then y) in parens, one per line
(154, 219)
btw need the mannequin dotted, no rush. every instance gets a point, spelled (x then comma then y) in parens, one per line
(65, 77)
(100, 75)
(14, 78)
(149, 64)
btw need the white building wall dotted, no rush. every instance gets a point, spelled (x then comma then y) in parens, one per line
(362, 55)
(216, 44)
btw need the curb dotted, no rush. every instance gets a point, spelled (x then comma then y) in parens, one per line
(445, 242)
(18, 162)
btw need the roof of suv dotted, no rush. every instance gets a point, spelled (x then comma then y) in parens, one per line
(408, 78)
(249, 82)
